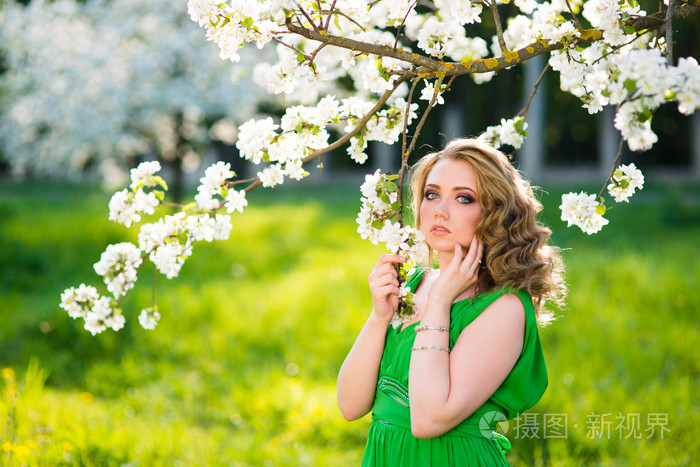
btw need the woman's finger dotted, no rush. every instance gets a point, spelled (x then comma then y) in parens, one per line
(390, 259)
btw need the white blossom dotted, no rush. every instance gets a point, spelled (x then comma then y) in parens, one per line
(222, 227)
(271, 176)
(118, 266)
(149, 317)
(624, 181)
(429, 91)
(582, 210)
(235, 200)
(143, 174)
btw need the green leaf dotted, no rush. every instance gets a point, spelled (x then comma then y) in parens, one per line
(182, 238)
(391, 186)
(247, 22)
(600, 209)
(159, 180)
(644, 116)
(301, 57)
(377, 224)
(159, 194)
(384, 197)
(630, 85)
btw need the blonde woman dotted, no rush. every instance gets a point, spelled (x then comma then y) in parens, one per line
(471, 355)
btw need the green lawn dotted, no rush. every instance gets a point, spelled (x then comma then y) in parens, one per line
(241, 369)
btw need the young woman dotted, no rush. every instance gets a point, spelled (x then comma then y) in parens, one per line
(471, 356)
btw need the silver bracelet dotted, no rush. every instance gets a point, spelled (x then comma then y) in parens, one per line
(422, 327)
(431, 347)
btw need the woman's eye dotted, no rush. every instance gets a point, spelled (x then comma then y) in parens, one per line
(465, 199)
(430, 195)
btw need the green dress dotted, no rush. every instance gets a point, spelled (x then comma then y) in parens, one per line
(473, 441)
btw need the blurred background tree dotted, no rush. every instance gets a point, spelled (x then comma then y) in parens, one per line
(89, 88)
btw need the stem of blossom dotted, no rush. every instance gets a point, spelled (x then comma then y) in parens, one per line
(578, 24)
(306, 15)
(526, 109)
(414, 138)
(398, 30)
(352, 20)
(238, 182)
(339, 142)
(617, 159)
(330, 13)
(288, 45)
(497, 21)
(614, 49)
(312, 57)
(669, 32)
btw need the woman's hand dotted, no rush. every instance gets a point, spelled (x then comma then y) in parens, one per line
(460, 274)
(384, 286)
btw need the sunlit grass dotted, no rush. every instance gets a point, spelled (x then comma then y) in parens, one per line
(241, 369)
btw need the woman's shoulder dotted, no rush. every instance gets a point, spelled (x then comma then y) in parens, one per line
(510, 306)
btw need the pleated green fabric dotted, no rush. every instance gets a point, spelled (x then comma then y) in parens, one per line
(473, 441)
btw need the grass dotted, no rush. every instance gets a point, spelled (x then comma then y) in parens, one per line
(241, 369)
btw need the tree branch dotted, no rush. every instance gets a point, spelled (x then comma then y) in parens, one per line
(657, 20)
(578, 23)
(669, 32)
(375, 49)
(338, 143)
(525, 109)
(499, 28)
(330, 13)
(404, 153)
(398, 30)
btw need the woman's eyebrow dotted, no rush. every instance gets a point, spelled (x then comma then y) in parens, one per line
(457, 188)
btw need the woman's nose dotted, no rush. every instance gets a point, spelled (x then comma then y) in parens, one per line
(442, 211)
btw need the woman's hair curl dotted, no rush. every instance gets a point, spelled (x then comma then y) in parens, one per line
(516, 253)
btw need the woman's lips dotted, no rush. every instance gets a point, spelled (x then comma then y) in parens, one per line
(439, 230)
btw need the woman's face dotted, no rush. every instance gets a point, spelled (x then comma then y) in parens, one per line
(450, 210)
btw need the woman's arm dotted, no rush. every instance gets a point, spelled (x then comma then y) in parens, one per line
(445, 388)
(357, 379)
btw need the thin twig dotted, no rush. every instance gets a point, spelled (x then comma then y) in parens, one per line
(526, 109)
(288, 45)
(237, 182)
(414, 138)
(578, 24)
(403, 22)
(497, 20)
(617, 159)
(349, 18)
(330, 13)
(306, 15)
(404, 153)
(614, 49)
(669, 32)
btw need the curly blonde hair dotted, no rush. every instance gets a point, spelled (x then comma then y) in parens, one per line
(516, 254)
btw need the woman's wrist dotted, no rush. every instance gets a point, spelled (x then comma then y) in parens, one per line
(376, 318)
(439, 301)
